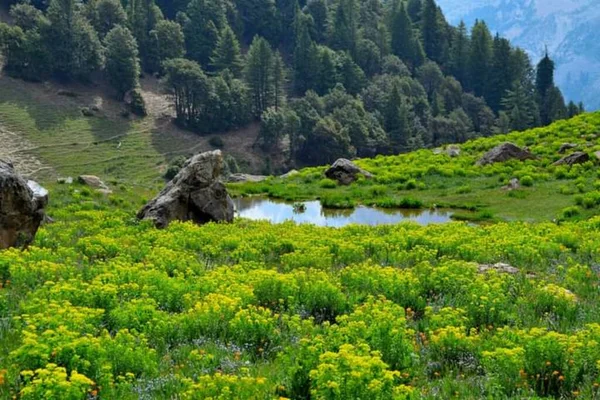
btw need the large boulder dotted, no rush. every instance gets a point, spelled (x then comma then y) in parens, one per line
(566, 147)
(504, 152)
(578, 157)
(195, 194)
(242, 178)
(22, 207)
(345, 172)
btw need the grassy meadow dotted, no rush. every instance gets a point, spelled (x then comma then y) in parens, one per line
(103, 306)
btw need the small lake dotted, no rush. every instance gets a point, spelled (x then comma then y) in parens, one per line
(257, 208)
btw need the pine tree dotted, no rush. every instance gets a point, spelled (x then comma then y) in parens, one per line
(259, 75)
(227, 54)
(459, 54)
(105, 15)
(143, 16)
(122, 63)
(480, 59)
(279, 78)
(306, 59)
(403, 38)
(414, 8)
(396, 118)
(500, 75)
(205, 19)
(167, 37)
(519, 107)
(432, 32)
(344, 33)
(317, 9)
(545, 76)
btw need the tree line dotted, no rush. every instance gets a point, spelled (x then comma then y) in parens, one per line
(326, 78)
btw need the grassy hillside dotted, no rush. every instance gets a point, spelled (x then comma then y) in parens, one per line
(63, 142)
(105, 307)
(438, 179)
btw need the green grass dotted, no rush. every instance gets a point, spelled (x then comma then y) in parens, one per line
(112, 147)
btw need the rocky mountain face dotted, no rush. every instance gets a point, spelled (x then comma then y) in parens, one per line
(569, 28)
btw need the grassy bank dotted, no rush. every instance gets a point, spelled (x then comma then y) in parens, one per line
(424, 177)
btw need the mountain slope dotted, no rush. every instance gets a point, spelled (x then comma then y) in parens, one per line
(567, 27)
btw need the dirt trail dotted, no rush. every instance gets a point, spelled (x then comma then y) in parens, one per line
(14, 148)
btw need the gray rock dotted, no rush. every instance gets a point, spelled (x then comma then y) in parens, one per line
(195, 194)
(92, 181)
(578, 157)
(453, 151)
(345, 172)
(566, 147)
(505, 152)
(239, 178)
(22, 207)
(514, 184)
(500, 267)
(289, 174)
(597, 154)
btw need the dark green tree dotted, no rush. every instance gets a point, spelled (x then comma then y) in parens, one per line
(205, 19)
(460, 54)
(122, 63)
(344, 30)
(306, 59)
(167, 37)
(143, 16)
(500, 77)
(433, 33)
(480, 59)
(105, 15)
(259, 75)
(403, 37)
(227, 54)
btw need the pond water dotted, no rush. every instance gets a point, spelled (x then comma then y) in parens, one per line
(257, 208)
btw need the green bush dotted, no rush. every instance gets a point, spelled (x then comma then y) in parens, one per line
(527, 181)
(327, 184)
(216, 142)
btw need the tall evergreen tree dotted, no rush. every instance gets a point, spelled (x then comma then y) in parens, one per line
(500, 78)
(344, 35)
(279, 78)
(459, 54)
(414, 8)
(480, 59)
(167, 37)
(227, 54)
(259, 75)
(306, 58)
(435, 42)
(143, 17)
(545, 76)
(122, 63)
(205, 19)
(402, 34)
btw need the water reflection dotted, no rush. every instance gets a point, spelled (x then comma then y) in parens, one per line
(257, 208)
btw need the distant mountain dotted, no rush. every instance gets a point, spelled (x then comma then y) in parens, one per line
(568, 27)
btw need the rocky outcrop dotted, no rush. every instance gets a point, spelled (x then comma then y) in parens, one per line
(345, 172)
(240, 178)
(499, 267)
(453, 151)
(578, 157)
(92, 181)
(566, 147)
(22, 207)
(289, 174)
(504, 152)
(195, 194)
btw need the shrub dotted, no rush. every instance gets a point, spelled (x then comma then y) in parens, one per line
(137, 104)
(327, 184)
(527, 181)
(216, 142)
